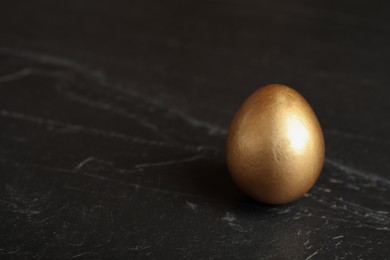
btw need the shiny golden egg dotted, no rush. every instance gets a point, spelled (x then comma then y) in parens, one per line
(275, 146)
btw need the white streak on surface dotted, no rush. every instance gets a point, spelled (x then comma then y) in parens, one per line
(15, 76)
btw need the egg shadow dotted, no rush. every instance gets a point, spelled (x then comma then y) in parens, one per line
(210, 179)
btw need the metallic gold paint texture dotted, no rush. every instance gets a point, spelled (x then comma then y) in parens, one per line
(275, 146)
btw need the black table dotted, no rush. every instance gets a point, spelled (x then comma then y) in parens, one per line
(114, 116)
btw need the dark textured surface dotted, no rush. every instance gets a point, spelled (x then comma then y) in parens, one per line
(114, 115)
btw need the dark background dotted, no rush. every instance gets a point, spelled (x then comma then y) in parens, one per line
(114, 115)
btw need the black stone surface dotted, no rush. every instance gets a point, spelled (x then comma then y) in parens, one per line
(114, 115)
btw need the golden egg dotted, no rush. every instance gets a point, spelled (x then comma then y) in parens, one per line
(275, 146)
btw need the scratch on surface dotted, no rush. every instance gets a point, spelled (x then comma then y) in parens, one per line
(92, 192)
(357, 214)
(20, 203)
(139, 248)
(333, 180)
(7, 203)
(325, 190)
(84, 253)
(379, 216)
(213, 130)
(84, 162)
(99, 177)
(99, 132)
(310, 256)
(44, 58)
(78, 128)
(191, 205)
(132, 185)
(229, 217)
(172, 162)
(355, 136)
(338, 237)
(10, 252)
(118, 111)
(372, 177)
(102, 80)
(15, 76)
